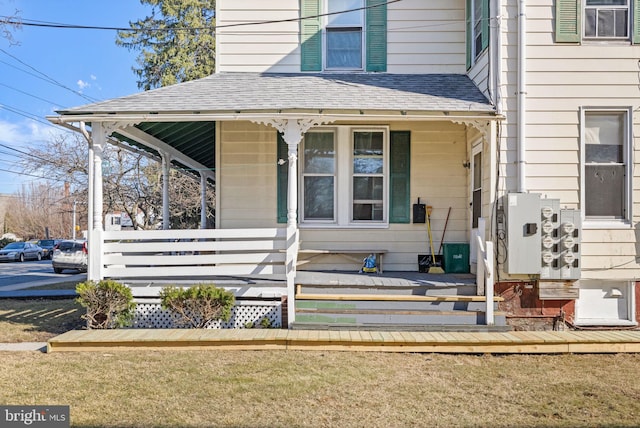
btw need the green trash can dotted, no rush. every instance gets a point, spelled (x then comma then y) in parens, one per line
(456, 258)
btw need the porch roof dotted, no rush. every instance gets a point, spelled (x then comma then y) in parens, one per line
(182, 116)
(256, 92)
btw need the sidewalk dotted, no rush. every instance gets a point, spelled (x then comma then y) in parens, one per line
(25, 290)
(24, 346)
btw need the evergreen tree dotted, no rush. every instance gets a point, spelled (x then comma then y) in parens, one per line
(176, 43)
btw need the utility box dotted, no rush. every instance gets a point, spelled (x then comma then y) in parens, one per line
(456, 258)
(522, 218)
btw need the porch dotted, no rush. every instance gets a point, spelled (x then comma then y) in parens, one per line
(259, 265)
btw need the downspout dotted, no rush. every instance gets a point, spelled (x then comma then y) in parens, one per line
(522, 95)
(496, 31)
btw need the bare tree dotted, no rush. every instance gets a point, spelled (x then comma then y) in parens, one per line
(40, 210)
(132, 182)
(8, 24)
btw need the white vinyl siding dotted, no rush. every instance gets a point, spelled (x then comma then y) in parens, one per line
(247, 169)
(422, 37)
(562, 79)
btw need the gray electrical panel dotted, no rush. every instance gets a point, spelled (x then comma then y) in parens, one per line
(549, 226)
(522, 212)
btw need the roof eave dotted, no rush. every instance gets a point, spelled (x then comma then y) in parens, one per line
(329, 116)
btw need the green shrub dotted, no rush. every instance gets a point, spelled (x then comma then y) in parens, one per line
(197, 306)
(109, 303)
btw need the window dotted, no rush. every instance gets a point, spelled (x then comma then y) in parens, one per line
(477, 29)
(476, 184)
(606, 19)
(343, 34)
(606, 191)
(352, 36)
(344, 176)
(318, 176)
(603, 20)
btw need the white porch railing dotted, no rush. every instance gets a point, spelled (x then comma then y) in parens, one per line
(485, 271)
(202, 252)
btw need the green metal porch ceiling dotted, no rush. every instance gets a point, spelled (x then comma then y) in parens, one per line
(195, 140)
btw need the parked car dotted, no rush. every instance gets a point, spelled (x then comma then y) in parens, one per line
(70, 254)
(20, 251)
(47, 246)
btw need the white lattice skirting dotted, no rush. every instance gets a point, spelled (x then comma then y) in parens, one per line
(149, 314)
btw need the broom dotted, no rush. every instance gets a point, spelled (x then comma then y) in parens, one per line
(434, 268)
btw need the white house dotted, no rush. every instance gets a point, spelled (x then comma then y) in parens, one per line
(330, 126)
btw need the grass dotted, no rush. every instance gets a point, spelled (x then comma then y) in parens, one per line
(326, 389)
(148, 388)
(37, 320)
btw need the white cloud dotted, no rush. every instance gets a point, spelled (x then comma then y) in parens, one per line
(82, 84)
(93, 77)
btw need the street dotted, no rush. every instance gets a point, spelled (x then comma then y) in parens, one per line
(16, 275)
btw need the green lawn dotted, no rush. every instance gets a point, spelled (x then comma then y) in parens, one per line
(148, 388)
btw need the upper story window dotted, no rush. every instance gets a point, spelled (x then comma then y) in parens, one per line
(343, 35)
(596, 20)
(606, 19)
(477, 29)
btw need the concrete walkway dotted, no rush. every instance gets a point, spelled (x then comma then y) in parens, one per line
(24, 346)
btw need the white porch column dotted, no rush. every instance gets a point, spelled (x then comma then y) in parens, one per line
(99, 138)
(203, 201)
(166, 160)
(292, 129)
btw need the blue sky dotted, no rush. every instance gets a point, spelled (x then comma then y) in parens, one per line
(86, 61)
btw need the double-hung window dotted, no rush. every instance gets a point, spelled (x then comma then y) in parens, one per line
(477, 29)
(597, 20)
(606, 167)
(343, 35)
(344, 176)
(606, 19)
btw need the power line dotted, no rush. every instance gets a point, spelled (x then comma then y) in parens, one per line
(25, 114)
(48, 78)
(30, 95)
(35, 23)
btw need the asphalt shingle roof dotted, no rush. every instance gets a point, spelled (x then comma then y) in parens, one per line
(283, 91)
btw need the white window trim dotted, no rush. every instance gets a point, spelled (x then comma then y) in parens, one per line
(343, 196)
(623, 223)
(325, 25)
(609, 38)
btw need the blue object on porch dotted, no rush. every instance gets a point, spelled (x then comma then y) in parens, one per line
(456, 258)
(369, 265)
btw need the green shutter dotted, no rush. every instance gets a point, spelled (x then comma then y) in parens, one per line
(485, 24)
(469, 35)
(568, 21)
(376, 36)
(283, 178)
(635, 9)
(310, 36)
(399, 177)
